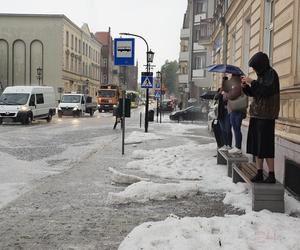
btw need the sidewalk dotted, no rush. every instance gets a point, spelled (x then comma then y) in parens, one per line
(251, 230)
(184, 201)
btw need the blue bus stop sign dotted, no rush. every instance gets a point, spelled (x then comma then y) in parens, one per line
(124, 51)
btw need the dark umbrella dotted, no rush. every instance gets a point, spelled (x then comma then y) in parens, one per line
(225, 68)
(209, 95)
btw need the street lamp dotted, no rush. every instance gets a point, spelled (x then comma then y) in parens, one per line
(149, 56)
(39, 74)
(159, 76)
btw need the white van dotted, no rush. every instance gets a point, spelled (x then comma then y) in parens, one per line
(27, 103)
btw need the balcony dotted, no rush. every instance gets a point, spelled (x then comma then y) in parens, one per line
(199, 73)
(200, 17)
(185, 34)
(182, 79)
(184, 56)
(199, 47)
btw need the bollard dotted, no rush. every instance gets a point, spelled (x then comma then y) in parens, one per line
(140, 119)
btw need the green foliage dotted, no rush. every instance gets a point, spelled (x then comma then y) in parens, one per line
(169, 72)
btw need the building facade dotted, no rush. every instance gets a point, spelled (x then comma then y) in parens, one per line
(106, 56)
(68, 57)
(242, 28)
(195, 49)
(183, 61)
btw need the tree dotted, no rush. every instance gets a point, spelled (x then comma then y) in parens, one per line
(169, 73)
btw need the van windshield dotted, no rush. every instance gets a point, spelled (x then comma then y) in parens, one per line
(14, 99)
(71, 99)
(107, 93)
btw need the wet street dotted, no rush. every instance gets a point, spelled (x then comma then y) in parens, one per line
(62, 203)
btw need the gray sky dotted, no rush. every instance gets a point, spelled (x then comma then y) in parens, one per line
(158, 21)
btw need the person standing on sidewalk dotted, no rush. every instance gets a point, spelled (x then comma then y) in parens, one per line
(223, 118)
(236, 114)
(264, 109)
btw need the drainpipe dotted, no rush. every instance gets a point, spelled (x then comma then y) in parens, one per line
(225, 35)
(191, 49)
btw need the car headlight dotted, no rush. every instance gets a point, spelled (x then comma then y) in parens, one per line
(24, 108)
(75, 108)
(59, 108)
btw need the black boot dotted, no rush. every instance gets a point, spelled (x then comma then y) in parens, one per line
(258, 177)
(270, 178)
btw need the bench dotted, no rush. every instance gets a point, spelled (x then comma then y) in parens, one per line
(264, 195)
(225, 158)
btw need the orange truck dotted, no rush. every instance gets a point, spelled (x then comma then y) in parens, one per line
(108, 97)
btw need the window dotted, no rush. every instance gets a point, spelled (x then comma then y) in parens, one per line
(32, 100)
(199, 61)
(72, 63)
(105, 62)
(76, 44)
(246, 46)
(184, 48)
(83, 48)
(67, 62)
(268, 34)
(104, 78)
(79, 45)
(202, 31)
(233, 48)
(72, 41)
(67, 38)
(200, 7)
(39, 99)
(183, 70)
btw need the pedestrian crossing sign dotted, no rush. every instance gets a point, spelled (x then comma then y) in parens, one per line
(147, 80)
(157, 93)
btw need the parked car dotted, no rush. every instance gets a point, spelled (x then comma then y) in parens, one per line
(191, 113)
(27, 103)
(167, 105)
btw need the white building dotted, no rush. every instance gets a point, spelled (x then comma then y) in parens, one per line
(69, 56)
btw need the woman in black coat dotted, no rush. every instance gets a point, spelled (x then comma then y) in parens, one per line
(264, 109)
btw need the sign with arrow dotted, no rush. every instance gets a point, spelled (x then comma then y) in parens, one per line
(147, 80)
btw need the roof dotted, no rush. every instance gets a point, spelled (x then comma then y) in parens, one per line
(103, 37)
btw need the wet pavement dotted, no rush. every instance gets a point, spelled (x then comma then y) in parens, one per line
(69, 210)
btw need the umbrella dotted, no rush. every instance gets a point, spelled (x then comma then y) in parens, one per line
(225, 68)
(209, 95)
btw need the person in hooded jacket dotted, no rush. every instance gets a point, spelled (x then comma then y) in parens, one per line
(264, 109)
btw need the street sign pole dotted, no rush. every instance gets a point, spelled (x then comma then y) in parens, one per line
(123, 56)
(149, 57)
(123, 112)
(160, 98)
